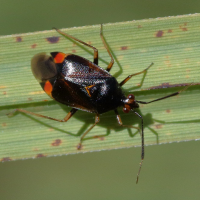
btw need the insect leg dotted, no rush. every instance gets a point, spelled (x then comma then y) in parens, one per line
(68, 116)
(97, 120)
(130, 76)
(69, 36)
(121, 124)
(106, 46)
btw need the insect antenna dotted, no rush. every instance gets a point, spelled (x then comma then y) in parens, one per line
(165, 97)
(143, 102)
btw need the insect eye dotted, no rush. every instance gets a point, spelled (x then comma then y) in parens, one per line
(126, 108)
(131, 96)
(43, 67)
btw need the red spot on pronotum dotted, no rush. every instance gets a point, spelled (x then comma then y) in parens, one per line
(60, 57)
(160, 33)
(56, 142)
(53, 39)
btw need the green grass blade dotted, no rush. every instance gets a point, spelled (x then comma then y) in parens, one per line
(172, 43)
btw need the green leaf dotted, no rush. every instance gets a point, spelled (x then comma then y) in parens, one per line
(172, 43)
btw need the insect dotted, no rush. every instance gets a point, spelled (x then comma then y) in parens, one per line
(83, 85)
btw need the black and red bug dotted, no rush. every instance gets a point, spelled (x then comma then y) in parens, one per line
(83, 85)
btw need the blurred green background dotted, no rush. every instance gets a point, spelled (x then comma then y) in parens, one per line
(170, 171)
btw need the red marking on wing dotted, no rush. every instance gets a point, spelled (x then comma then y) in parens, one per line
(48, 88)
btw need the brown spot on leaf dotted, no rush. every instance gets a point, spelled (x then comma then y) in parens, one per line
(89, 42)
(183, 28)
(139, 26)
(53, 39)
(4, 124)
(168, 111)
(37, 92)
(73, 51)
(160, 33)
(168, 85)
(169, 31)
(79, 146)
(124, 48)
(56, 142)
(18, 39)
(30, 99)
(2, 87)
(4, 92)
(33, 46)
(158, 126)
(40, 155)
(167, 62)
(6, 159)
(99, 137)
